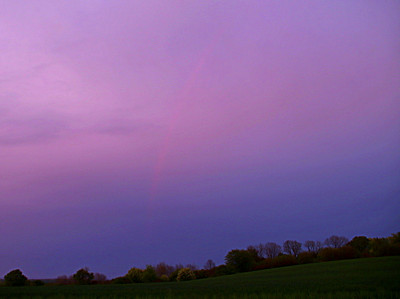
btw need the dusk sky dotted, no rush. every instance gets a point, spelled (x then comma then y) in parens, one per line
(139, 132)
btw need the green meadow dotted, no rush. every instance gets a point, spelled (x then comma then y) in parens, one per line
(359, 278)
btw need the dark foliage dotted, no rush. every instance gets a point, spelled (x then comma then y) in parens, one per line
(200, 274)
(292, 247)
(334, 254)
(149, 274)
(284, 260)
(83, 276)
(99, 278)
(360, 243)
(223, 270)
(264, 264)
(240, 260)
(121, 280)
(336, 241)
(306, 257)
(15, 278)
(36, 283)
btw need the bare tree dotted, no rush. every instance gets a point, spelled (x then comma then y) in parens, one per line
(260, 248)
(292, 247)
(318, 246)
(164, 269)
(336, 241)
(191, 267)
(209, 265)
(272, 249)
(310, 245)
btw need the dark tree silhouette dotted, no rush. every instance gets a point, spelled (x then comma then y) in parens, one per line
(83, 276)
(292, 247)
(209, 265)
(272, 250)
(239, 260)
(360, 243)
(336, 241)
(15, 278)
(164, 269)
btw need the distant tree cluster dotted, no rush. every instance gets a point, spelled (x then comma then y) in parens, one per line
(270, 255)
(257, 257)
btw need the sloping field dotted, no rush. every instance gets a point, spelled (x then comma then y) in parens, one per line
(360, 278)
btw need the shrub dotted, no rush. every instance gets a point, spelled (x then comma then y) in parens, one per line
(202, 273)
(334, 254)
(306, 257)
(121, 280)
(284, 260)
(185, 274)
(174, 275)
(384, 246)
(264, 264)
(64, 279)
(36, 283)
(135, 275)
(222, 270)
(15, 278)
(149, 274)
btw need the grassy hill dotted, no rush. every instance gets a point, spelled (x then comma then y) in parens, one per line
(360, 278)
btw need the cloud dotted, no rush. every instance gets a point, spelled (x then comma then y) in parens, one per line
(33, 130)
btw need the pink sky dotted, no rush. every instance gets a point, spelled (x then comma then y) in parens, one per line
(120, 115)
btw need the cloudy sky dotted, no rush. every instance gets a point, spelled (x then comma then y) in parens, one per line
(135, 132)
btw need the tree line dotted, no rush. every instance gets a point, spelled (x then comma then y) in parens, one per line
(254, 257)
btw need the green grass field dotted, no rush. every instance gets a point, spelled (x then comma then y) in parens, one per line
(360, 278)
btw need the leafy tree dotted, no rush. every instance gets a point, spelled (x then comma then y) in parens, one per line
(255, 253)
(240, 260)
(15, 278)
(336, 241)
(384, 247)
(83, 276)
(174, 275)
(185, 274)
(360, 243)
(292, 247)
(272, 249)
(149, 274)
(135, 275)
(394, 238)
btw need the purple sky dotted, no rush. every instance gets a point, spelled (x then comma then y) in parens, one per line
(135, 132)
